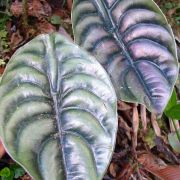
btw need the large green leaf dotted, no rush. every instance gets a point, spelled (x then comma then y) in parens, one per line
(132, 40)
(172, 101)
(174, 112)
(58, 111)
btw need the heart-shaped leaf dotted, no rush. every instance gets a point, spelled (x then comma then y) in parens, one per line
(132, 40)
(58, 111)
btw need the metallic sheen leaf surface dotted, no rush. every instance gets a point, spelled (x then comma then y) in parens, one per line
(134, 43)
(58, 111)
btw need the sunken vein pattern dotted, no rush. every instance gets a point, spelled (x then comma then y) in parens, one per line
(58, 111)
(132, 40)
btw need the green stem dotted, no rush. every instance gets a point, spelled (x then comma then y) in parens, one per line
(177, 132)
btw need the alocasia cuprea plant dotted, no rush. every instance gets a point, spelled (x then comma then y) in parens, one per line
(57, 104)
(58, 111)
(134, 43)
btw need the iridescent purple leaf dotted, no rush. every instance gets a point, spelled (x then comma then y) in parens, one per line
(134, 43)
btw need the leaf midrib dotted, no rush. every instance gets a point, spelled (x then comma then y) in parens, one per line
(50, 43)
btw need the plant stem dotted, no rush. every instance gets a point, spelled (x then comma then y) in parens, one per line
(177, 132)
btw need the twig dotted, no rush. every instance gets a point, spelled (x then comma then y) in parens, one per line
(143, 117)
(125, 127)
(172, 127)
(122, 106)
(155, 125)
(135, 125)
(138, 173)
(176, 129)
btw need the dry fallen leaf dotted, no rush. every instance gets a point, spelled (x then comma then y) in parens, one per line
(143, 117)
(2, 150)
(155, 125)
(16, 39)
(1, 70)
(36, 8)
(16, 8)
(122, 106)
(113, 169)
(125, 127)
(69, 4)
(45, 27)
(135, 122)
(171, 12)
(157, 167)
(26, 177)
